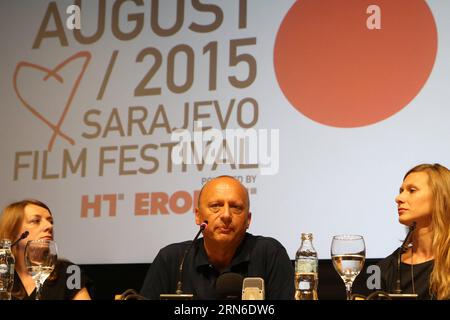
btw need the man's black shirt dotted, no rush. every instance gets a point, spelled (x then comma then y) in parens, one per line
(257, 256)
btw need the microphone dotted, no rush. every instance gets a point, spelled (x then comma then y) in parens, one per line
(22, 236)
(403, 248)
(229, 286)
(253, 289)
(408, 240)
(179, 295)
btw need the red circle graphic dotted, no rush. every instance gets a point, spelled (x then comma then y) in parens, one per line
(337, 70)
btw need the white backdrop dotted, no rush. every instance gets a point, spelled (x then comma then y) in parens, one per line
(333, 177)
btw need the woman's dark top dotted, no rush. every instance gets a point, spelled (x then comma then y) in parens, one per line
(420, 273)
(62, 284)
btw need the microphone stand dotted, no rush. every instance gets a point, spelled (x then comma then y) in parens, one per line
(180, 270)
(179, 295)
(402, 249)
(398, 288)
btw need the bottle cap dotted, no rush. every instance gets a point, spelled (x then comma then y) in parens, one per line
(307, 236)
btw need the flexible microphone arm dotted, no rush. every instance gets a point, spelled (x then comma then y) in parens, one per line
(401, 250)
(180, 270)
(22, 236)
(408, 240)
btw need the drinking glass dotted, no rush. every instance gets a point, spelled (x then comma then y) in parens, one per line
(348, 253)
(40, 260)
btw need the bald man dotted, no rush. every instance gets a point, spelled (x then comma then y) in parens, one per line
(225, 247)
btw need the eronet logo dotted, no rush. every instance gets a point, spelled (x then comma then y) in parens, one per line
(336, 71)
(47, 74)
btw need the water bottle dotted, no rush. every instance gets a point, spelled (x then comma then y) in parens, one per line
(306, 270)
(7, 263)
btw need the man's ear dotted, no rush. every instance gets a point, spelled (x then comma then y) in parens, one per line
(249, 219)
(198, 221)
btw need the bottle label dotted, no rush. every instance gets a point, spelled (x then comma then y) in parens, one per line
(3, 268)
(304, 285)
(306, 266)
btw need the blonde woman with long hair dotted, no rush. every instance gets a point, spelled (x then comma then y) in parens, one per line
(424, 199)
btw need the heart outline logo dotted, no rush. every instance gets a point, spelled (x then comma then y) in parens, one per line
(53, 73)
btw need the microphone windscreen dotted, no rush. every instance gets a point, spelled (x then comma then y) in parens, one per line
(229, 286)
(253, 289)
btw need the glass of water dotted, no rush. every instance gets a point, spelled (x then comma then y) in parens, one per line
(348, 253)
(40, 260)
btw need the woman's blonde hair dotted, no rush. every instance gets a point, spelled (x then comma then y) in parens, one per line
(439, 182)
